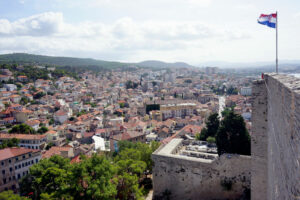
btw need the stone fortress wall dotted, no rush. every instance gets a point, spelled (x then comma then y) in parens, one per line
(197, 178)
(275, 140)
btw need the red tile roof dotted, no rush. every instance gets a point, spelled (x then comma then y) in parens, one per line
(21, 136)
(55, 151)
(14, 151)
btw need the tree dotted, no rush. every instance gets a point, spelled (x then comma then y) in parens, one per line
(38, 95)
(42, 130)
(9, 195)
(49, 177)
(212, 125)
(22, 129)
(93, 178)
(231, 90)
(130, 84)
(9, 143)
(232, 135)
(211, 140)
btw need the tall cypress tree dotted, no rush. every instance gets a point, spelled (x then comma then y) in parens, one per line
(232, 135)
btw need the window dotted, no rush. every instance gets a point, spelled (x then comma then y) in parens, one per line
(16, 167)
(10, 169)
(2, 163)
(19, 166)
(4, 181)
(3, 171)
(32, 162)
(23, 156)
(17, 158)
(22, 164)
(36, 160)
(19, 176)
(9, 160)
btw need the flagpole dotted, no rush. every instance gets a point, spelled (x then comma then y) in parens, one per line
(276, 42)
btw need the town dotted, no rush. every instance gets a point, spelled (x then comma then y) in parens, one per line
(50, 112)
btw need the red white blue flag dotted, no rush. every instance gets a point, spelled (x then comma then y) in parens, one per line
(268, 20)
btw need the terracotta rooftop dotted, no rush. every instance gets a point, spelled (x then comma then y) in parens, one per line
(21, 136)
(55, 151)
(14, 151)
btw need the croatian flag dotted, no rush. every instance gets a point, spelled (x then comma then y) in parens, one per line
(268, 20)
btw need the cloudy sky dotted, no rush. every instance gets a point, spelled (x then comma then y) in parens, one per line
(193, 31)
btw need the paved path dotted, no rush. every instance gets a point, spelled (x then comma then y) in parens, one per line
(150, 194)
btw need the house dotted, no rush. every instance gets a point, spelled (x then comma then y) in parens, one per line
(132, 136)
(15, 163)
(10, 87)
(4, 77)
(55, 138)
(22, 78)
(15, 98)
(66, 152)
(33, 123)
(30, 141)
(60, 116)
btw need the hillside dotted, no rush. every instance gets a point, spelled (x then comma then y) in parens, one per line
(22, 58)
(160, 64)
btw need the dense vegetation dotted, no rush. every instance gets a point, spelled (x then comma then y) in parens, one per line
(22, 129)
(22, 58)
(230, 134)
(34, 73)
(212, 126)
(131, 85)
(9, 195)
(119, 176)
(9, 143)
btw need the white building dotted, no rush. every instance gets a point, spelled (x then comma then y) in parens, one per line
(15, 163)
(246, 91)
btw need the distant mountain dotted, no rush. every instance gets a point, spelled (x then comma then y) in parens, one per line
(22, 58)
(160, 64)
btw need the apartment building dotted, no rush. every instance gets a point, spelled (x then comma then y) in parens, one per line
(15, 163)
(30, 141)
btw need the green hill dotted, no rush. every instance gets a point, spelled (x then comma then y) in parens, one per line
(22, 58)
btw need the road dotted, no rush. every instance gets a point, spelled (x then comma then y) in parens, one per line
(221, 104)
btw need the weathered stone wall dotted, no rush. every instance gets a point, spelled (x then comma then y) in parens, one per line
(276, 138)
(194, 178)
(259, 141)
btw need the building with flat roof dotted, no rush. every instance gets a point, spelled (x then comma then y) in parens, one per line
(15, 163)
(193, 170)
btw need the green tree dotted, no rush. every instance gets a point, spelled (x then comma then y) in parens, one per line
(9, 143)
(231, 90)
(212, 125)
(22, 129)
(211, 140)
(48, 178)
(9, 195)
(92, 178)
(38, 95)
(232, 135)
(42, 130)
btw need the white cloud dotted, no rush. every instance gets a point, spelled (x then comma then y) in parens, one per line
(37, 25)
(48, 33)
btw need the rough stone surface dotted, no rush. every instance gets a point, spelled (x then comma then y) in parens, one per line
(276, 138)
(195, 178)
